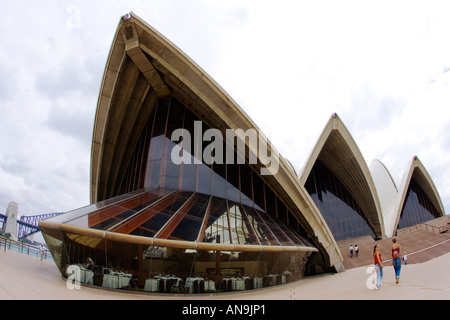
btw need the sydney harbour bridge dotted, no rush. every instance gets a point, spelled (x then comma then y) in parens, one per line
(26, 225)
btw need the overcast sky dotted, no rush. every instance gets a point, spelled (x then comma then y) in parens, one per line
(384, 67)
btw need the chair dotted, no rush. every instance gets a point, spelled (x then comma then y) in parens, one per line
(175, 286)
(133, 283)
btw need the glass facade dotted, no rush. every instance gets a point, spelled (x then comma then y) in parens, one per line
(187, 216)
(118, 264)
(182, 227)
(340, 210)
(151, 165)
(181, 208)
(417, 207)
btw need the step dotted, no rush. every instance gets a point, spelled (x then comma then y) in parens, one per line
(420, 246)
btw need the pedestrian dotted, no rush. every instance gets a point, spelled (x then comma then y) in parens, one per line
(42, 251)
(89, 264)
(405, 258)
(351, 251)
(378, 262)
(356, 250)
(396, 258)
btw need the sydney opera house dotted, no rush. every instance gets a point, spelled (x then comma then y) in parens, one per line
(168, 214)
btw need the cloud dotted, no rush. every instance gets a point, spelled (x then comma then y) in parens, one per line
(370, 110)
(68, 76)
(74, 122)
(289, 66)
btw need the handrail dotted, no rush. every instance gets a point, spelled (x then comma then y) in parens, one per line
(23, 248)
(440, 229)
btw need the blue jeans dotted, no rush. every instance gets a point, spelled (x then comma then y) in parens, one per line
(397, 263)
(379, 271)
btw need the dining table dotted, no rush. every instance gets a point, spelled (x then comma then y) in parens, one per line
(115, 280)
(237, 284)
(258, 282)
(85, 275)
(175, 281)
(151, 285)
(191, 281)
(270, 279)
(210, 285)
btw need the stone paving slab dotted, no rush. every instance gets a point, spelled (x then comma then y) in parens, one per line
(25, 277)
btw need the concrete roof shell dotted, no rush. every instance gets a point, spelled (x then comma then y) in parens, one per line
(385, 183)
(143, 66)
(387, 189)
(338, 150)
(416, 170)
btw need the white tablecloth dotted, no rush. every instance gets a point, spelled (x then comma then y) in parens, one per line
(165, 279)
(116, 280)
(151, 285)
(85, 275)
(272, 279)
(210, 285)
(237, 284)
(190, 283)
(258, 282)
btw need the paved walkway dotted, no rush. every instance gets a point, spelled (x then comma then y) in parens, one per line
(24, 277)
(421, 242)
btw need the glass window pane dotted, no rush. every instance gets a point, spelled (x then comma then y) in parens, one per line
(241, 230)
(246, 185)
(233, 192)
(217, 230)
(172, 170)
(258, 192)
(160, 216)
(273, 225)
(417, 207)
(204, 179)
(189, 176)
(175, 121)
(219, 181)
(263, 232)
(189, 227)
(342, 213)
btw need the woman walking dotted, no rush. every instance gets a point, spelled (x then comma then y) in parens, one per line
(396, 259)
(378, 265)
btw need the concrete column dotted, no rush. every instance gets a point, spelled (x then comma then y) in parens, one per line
(11, 220)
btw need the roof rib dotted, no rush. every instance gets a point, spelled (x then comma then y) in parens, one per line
(415, 170)
(337, 149)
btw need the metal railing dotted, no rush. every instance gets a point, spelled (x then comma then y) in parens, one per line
(424, 226)
(24, 248)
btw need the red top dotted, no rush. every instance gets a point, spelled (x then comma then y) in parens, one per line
(375, 259)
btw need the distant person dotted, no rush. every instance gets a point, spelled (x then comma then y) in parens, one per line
(351, 251)
(378, 262)
(396, 258)
(405, 258)
(356, 250)
(89, 264)
(42, 251)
